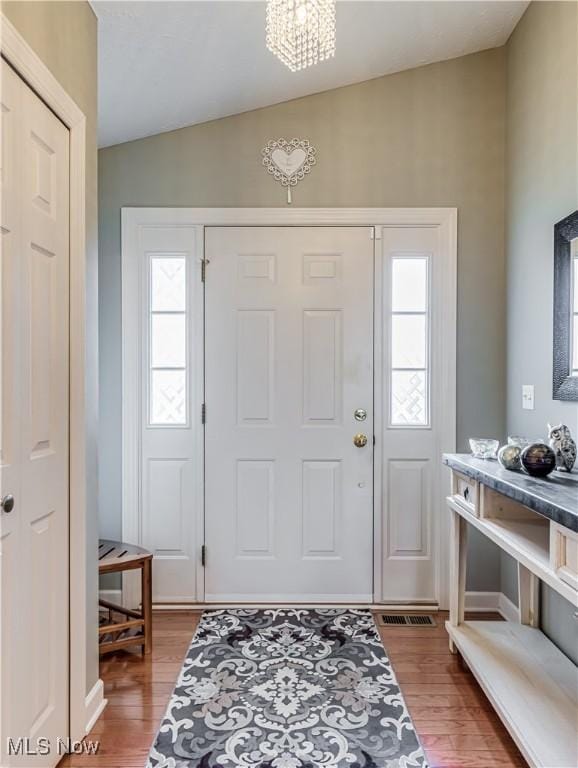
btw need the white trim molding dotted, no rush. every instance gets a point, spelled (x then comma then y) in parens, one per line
(287, 217)
(444, 219)
(32, 69)
(94, 705)
(508, 609)
(481, 602)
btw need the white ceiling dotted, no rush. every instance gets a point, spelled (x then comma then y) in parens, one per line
(165, 65)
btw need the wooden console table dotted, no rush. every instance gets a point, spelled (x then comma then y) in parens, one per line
(532, 685)
(136, 627)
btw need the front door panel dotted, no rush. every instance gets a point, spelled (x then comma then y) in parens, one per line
(289, 340)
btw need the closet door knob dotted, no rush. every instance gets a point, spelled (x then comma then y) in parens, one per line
(7, 503)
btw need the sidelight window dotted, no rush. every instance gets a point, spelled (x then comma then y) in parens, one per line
(409, 341)
(168, 341)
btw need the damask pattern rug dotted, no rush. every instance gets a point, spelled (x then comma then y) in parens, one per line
(286, 688)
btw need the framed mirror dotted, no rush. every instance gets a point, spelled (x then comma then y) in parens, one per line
(565, 367)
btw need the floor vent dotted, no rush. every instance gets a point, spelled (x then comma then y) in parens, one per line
(400, 620)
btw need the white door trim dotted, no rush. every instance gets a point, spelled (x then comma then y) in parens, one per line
(444, 219)
(33, 70)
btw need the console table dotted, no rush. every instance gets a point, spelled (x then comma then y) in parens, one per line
(532, 685)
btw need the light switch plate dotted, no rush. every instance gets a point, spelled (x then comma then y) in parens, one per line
(528, 397)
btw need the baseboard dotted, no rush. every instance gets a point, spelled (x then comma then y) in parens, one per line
(389, 607)
(508, 609)
(94, 704)
(475, 602)
(492, 601)
(482, 601)
(322, 599)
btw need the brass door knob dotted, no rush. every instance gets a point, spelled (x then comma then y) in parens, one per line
(360, 440)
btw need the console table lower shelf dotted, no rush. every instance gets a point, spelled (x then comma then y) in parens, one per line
(532, 685)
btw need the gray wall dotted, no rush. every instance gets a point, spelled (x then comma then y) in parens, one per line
(433, 136)
(64, 35)
(542, 188)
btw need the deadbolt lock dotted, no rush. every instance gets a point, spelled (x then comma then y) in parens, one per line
(360, 414)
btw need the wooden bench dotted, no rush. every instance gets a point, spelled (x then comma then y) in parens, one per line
(135, 628)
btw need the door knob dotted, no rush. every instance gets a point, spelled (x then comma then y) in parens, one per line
(7, 503)
(360, 440)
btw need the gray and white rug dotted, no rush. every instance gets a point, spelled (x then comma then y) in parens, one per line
(286, 688)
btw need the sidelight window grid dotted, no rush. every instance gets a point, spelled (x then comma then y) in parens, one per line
(409, 341)
(168, 348)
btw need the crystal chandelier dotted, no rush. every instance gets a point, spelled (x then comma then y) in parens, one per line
(301, 32)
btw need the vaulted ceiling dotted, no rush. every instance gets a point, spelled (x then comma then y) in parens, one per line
(165, 65)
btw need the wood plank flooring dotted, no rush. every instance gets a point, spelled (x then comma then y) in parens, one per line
(454, 721)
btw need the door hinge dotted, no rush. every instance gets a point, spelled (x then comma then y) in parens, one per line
(203, 555)
(204, 263)
(375, 233)
(203, 413)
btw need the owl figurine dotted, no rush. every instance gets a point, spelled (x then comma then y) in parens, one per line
(563, 445)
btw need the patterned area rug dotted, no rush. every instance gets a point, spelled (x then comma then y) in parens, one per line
(286, 688)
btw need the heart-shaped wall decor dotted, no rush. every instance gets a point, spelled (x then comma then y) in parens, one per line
(288, 161)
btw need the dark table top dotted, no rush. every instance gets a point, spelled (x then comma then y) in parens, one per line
(554, 497)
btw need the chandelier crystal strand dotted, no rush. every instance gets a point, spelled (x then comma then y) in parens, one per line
(301, 32)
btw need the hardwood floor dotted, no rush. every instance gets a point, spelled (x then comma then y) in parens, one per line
(455, 723)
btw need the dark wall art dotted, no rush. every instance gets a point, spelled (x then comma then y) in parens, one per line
(564, 385)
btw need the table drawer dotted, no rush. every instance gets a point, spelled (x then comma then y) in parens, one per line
(465, 491)
(564, 554)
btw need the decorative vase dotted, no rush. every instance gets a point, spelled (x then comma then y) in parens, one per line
(484, 447)
(509, 457)
(538, 459)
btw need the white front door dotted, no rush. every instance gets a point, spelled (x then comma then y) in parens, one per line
(34, 667)
(289, 361)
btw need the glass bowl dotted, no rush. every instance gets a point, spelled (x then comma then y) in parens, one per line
(484, 447)
(522, 442)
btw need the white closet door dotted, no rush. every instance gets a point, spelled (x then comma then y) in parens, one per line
(34, 638)
(289, 359)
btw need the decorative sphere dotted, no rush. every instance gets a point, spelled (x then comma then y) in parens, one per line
(538, 459)
(509, 457)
